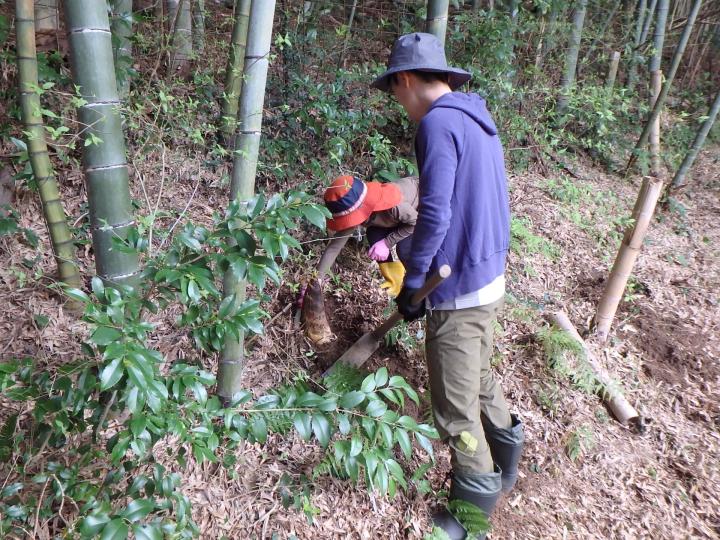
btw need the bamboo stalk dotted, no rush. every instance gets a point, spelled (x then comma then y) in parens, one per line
(610, 393)
(648, 21)
(247, 145)
(104, 164)
(654, 124)
(46, 16)
(61, 239)
(634, 58)
(181, 46)
(627, 255)
(351, 19)
(612, 72)
(198, 25)
(437, 17)
(659, 36)
(234, 71)
(657, 104)
(121, 28)
(568, 78)
(697, 144)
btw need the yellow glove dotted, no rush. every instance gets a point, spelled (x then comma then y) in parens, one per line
(394, 273)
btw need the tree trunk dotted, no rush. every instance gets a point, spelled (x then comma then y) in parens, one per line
(198, 25)
(106, 174)
(572, 56)
(656, 105)
(46, 16)
(234, 71)
(247, 145)
(635, 56)
(179, 12)
(55, 218)
(627, 255)
(697, 144)
(121, 27)
(437, 17)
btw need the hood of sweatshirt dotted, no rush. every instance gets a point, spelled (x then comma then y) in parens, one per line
(471, 104)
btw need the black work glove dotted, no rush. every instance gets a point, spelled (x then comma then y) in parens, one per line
(407, 309)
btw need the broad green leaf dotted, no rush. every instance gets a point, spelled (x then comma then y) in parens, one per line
(259, 429)
(302, 424)
(321, 429)
(147, 532)
(111, 374)
(376, 408)
(104, 335)
(77, 294)
(424, 443)
(356, 445)
(386, 434)
(315, 216)
(115, 530)
(381, 377)
(93, 524)
(98, 287)
(138, 509)
(368, 384)
(403, 440)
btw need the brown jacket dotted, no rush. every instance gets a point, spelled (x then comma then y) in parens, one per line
(401, 218)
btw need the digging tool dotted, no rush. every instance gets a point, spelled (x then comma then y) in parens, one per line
(364, 347)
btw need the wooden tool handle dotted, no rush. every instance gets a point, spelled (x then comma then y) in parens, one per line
(429, 286)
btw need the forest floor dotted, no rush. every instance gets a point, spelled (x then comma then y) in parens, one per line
(664, 351)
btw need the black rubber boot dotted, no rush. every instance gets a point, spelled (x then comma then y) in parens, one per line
(482, 490)
(506, 448)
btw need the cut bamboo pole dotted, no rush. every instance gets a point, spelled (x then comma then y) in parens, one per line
(242, 187)
(610, 393)
(234, 71)
(60, 237)
(437, 18)
(627, 255)
(104, 163)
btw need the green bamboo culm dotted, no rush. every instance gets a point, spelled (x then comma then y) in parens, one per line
(198, 23)
(437, 17)
(242, 187)
(234, 72)
(568, 79)
(55, 218)
(697, 144)
(121, 27)
(104, 164)
(674, 65)
(635, 54)
(181, 46)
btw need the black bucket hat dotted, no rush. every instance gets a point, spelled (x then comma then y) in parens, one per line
(422, 52)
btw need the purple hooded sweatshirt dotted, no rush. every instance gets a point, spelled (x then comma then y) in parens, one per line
(464, 216)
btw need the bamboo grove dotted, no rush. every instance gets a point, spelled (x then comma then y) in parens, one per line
(562, 73)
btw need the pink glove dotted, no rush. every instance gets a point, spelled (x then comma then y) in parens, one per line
(379, 251)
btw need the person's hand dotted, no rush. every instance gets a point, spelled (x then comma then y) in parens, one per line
(407, 309)
(379, 251)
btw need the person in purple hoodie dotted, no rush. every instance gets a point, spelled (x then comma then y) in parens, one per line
(464, 221)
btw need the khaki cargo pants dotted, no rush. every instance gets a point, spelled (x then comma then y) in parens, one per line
(458, 349)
